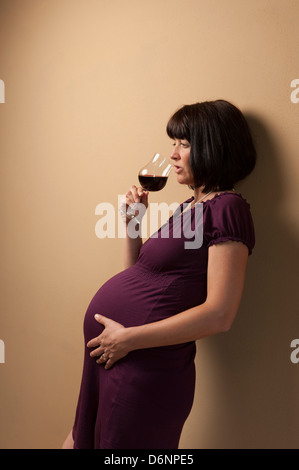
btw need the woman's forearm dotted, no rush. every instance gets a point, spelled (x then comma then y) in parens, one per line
(131, 250)
(116, 341)
(225, 281)
(132, 243)
(215, 315)
(190, 325)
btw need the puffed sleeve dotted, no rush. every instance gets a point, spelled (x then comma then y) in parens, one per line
(228, 217)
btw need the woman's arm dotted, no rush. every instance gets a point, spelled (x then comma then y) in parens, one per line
(226, 274)
(133, 245)
(131, 250)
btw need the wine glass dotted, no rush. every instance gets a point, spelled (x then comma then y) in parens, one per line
(152, 177)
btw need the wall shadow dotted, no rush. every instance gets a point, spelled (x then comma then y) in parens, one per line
(259, 384)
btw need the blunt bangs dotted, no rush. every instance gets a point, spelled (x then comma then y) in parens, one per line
(178, 125)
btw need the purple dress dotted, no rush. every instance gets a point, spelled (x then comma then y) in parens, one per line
(143, 401)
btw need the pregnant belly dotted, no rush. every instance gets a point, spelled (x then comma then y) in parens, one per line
(116, 300)
(133, 297)
(137, 296)
(134, 300)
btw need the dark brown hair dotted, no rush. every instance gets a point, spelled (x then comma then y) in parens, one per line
(222, 150)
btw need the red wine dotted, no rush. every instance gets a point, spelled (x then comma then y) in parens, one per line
(152, 183)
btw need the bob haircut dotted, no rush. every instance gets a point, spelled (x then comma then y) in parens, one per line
(222, 150)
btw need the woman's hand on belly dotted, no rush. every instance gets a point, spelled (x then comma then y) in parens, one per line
(111, 345)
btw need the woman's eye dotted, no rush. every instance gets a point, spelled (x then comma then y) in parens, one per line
(182, 144)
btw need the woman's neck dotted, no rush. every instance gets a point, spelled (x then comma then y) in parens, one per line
(200, 195)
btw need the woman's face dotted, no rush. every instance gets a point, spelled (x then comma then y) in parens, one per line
(180, 156)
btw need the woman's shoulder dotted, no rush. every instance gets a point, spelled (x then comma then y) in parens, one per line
(223, 198)
(227, 206)
(227, 198)
(227, 216)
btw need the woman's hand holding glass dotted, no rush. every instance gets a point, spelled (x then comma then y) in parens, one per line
(135, 204)
(152, 177)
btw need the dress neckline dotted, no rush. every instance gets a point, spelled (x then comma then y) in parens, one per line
(205, 203)
(217, 196)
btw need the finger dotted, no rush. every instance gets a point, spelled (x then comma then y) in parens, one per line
(140, 192)
(97, 352)
(102, 359)
(109, 363)
(144, 198)
(104, 321)
(101, 319)
(94, 342)
(134, 192)
(129, 199)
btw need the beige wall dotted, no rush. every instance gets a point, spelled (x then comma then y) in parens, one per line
(89, 87)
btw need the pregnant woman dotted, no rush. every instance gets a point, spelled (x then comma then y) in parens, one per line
(141, 326)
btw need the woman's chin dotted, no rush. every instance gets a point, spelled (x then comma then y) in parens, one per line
(182, 180)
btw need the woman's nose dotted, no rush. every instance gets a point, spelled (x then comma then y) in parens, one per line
(174, 154)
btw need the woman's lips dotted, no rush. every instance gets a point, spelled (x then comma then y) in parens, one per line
(177, 169)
